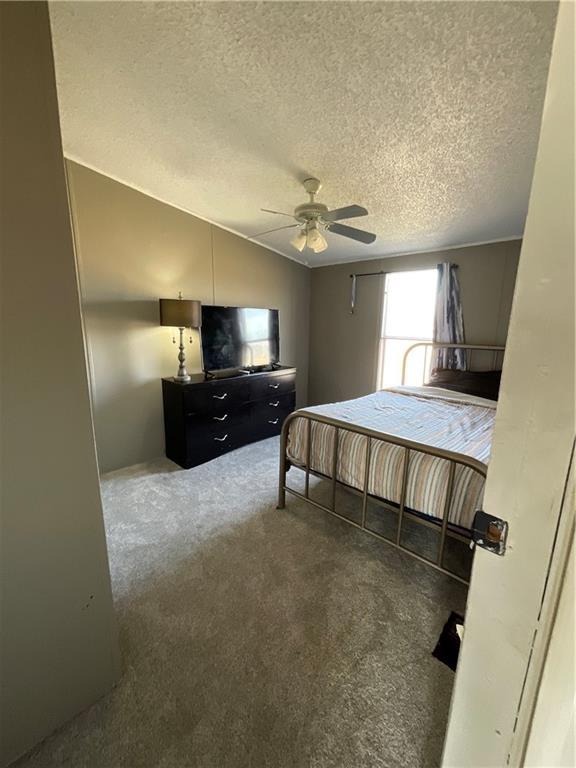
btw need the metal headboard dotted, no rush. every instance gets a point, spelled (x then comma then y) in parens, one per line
(495, 349)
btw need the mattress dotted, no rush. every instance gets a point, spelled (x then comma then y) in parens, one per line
(430, 415)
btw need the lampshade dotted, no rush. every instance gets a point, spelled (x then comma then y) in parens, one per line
(316, 240)
(180, 313)
(299, 241)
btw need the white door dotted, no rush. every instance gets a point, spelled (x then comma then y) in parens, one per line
(533, 439)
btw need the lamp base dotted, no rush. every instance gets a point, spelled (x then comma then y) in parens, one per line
(182, 374)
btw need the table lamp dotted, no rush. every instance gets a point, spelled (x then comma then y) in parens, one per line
(181, 313)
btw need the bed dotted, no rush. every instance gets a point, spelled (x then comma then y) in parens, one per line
(417, 455)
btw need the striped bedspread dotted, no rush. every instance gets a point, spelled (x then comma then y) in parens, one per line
(430, 415)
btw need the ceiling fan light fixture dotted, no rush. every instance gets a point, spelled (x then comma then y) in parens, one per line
(299, 240)
(313, 219)
(315, 240)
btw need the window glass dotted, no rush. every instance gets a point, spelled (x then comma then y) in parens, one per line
(409, 303)
(407, 317)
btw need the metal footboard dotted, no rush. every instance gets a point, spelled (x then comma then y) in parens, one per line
(455, 459)
(372, 435)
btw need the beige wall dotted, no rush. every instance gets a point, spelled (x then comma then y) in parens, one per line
(344, 347)
(132, 250)
(58, 643)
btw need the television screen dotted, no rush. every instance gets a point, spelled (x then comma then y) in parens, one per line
(239, 337)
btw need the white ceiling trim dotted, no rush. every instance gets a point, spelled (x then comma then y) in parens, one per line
(418, 253)
(136, 188)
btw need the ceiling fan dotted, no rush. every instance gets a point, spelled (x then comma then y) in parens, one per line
(313, 219)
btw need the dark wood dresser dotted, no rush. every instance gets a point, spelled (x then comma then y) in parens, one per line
(205, 418)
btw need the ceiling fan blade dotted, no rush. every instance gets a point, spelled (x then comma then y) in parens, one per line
(268, 231)
(280, 213)
(348, 212)
(352, 232)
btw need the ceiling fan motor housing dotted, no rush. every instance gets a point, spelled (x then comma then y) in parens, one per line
(310, 212)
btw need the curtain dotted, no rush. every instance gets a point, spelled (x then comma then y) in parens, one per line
(448, 320)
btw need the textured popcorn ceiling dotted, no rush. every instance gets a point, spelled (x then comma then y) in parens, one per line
(427, 113)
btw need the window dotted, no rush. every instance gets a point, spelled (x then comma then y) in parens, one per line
(407, 317)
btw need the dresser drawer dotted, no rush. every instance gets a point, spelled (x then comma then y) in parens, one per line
(210, 449)
(267, 420)
(219, 397)
(273, 386)
(214, 423)
(209, 436)
(274, 405)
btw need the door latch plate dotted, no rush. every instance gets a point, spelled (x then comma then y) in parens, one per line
(489, 532)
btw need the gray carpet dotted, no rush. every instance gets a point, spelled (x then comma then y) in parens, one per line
(253, 638)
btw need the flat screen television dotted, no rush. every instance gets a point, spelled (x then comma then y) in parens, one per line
(239, 337)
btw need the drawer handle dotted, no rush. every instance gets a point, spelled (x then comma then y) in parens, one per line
(275, 405)
(221, 439)
(220, 397)
(220, 418)
(272, 421)
(273, 386)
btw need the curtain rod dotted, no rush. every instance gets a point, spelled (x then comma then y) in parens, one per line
(355, 275)
(369, 274)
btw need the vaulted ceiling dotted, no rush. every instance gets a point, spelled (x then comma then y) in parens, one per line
(426, 113)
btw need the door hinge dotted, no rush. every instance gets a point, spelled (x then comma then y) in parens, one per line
(489, 532)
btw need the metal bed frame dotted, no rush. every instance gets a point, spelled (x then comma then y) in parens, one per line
(447, 530)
